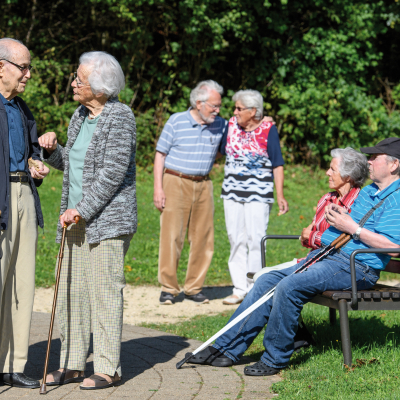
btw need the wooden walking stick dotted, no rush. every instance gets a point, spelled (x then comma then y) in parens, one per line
(43, 389)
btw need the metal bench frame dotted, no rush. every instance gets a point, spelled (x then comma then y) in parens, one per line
(380, 297)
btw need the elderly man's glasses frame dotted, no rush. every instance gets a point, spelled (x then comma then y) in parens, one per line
(20, 67)
(78, 82)
(212, 106)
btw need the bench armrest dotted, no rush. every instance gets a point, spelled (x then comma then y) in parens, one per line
(264, 239)
(354, 299)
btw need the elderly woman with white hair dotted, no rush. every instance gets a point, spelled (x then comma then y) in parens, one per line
(99, 186)
(253, 162)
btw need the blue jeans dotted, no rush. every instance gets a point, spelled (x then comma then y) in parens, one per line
(281, 312)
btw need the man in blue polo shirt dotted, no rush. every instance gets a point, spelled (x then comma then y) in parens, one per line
(20, 213)
(281, 312)
(183, 192)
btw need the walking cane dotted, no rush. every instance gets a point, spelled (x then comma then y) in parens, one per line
(326, 251)
(43, 389)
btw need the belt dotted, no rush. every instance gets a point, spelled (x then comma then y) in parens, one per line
(19, 178)
(196, 178)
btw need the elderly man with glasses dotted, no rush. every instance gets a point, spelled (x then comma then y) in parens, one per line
(183, 191)
(20, 213)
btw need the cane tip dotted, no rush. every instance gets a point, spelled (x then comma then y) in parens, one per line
(186, 359)
(43, 389)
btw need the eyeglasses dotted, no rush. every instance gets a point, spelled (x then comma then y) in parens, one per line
(212, 106)
(20, 67)
(78, 82)
(240, 109)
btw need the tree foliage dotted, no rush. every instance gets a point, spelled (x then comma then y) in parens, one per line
(328, 69)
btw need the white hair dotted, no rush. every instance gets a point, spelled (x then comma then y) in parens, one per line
(353, 165)
(251, 99)
(5, 50)
(202, 91)
(106, 75)
(393, 159)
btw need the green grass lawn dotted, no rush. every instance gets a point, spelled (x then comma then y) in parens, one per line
(303, 189)
(318, 372)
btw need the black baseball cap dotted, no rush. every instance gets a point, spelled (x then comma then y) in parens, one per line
(389, 146)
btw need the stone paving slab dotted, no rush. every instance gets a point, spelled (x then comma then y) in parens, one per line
(148, 359)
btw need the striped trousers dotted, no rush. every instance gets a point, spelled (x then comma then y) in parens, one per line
(90, 292)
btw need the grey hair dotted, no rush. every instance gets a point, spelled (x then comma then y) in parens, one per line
(202, 91)
(251, 99)
(106, 75)
(392, 159)
(5, 51)
(353, 165)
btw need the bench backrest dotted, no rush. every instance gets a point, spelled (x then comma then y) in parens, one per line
(393, 266)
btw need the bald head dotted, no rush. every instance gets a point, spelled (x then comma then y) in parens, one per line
(14, 67)
(7, 45)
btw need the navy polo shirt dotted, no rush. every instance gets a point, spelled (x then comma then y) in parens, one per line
(16, 137)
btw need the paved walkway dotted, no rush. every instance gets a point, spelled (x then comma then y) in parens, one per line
(148, 360)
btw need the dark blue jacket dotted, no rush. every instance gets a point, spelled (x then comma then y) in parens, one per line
(32, 149)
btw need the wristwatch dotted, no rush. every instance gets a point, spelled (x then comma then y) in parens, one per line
(356, 234)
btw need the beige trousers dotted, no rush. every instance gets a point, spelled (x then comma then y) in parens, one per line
(90, 294)
(17, 278)
(189, 207)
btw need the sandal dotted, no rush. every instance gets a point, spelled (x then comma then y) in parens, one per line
(67, 376)
(102, 383)
(210, 356)
(260, 369)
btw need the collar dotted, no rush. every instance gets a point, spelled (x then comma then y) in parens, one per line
(190, 118)
(3, 99)
(385, 192)
(351, 194)
(8, 102)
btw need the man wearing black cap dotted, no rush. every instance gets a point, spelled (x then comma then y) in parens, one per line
(282, 311)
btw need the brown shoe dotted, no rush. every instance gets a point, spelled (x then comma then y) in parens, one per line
(102, 383)
(66, 376)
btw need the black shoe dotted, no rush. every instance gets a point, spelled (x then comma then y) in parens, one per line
(303, 338)
(20, 380)
(210, 356)
(167, 298)
(260, 369)
(197, 298)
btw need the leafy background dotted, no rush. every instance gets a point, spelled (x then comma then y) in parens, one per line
(328, 69)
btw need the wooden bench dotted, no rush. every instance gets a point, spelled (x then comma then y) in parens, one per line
(379, 297)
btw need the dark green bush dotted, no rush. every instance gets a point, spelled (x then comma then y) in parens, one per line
(328, 69)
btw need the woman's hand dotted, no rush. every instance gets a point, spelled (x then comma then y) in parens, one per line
(339, 218)
(283, 205)
(68, 217)
(40, 172)
(48, 141)
(305, 234)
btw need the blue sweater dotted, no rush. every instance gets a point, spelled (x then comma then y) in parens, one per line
(32, 149)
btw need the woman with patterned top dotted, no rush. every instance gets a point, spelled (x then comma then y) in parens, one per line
(347, 173)
(253, 161)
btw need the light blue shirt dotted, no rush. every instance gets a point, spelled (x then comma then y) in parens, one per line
(191, 147)
(77, 159)
(384, 221)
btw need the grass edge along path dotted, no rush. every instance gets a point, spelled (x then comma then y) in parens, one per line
(318, 372)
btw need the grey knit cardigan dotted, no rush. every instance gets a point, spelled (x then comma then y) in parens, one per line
(109, 173)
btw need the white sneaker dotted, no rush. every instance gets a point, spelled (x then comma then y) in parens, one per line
(233, 299)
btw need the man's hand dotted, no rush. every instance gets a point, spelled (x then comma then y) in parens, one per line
(40, 172)
(283, 206)
(268, 119)
(305, 234)
(68, 217)
(339, 218)
(48, 141)
(159, 199)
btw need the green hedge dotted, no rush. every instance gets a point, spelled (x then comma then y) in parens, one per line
(328, 69)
